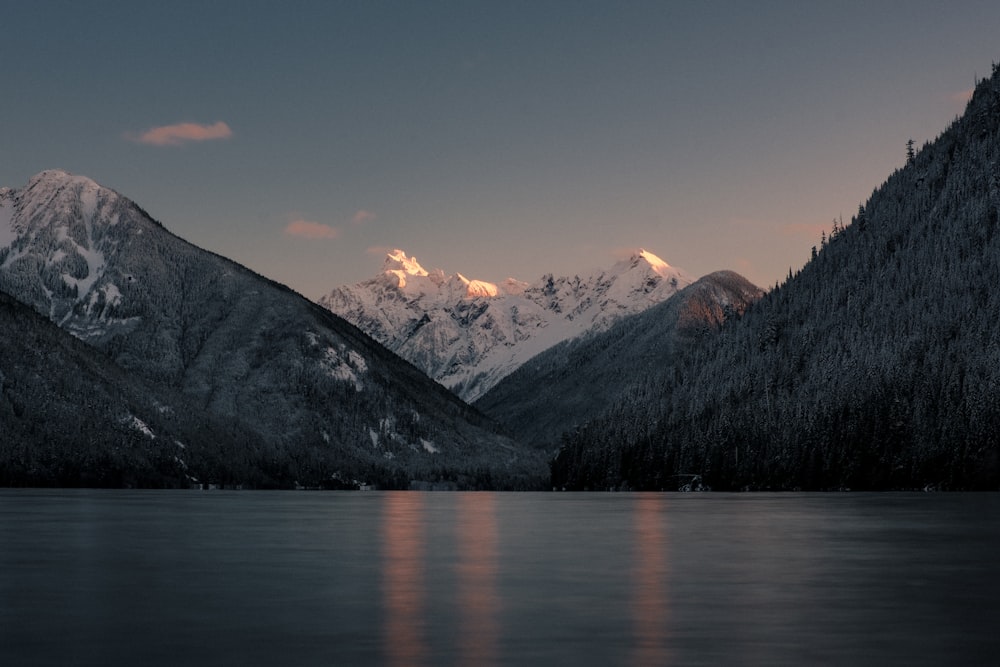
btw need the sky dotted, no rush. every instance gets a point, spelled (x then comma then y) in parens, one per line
(495, 139)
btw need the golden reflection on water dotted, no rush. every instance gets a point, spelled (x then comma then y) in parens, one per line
(477, 579)
(478, 600)
(403, 547)
(649, 605)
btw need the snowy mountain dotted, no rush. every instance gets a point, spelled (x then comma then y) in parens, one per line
(470, 334)
(328, 401)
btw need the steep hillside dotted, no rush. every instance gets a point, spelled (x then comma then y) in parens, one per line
(875, 367)
(329, 402)
(561, 388)
(69, 416)
(470, 334)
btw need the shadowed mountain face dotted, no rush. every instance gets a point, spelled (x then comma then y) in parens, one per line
(329, 402)
(875, 367)
(69, 416)
(565, 386)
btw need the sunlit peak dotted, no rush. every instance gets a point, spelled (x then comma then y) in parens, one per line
(399, 265)
(655, 262)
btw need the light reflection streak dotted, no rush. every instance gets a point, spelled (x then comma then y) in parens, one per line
(649, 606)
(403, 545)
(477, 575)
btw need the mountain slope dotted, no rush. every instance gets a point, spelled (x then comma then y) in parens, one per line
(328, 400)
(564, 386)
(69, 416)
(470, 334)
(875, 367)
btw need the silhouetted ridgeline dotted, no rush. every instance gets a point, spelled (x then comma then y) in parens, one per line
(877, 366)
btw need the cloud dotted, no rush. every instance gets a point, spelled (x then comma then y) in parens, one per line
(307, 229)
(362, 216)
(174, 135)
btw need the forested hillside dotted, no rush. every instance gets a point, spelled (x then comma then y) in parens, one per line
(567, 384)
(877, 366)
(69, 416)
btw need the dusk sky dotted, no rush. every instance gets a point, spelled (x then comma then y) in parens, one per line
(495, 139)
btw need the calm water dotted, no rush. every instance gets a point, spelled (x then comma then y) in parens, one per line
(241, 578)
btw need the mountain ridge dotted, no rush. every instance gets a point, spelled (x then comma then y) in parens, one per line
(468, 334)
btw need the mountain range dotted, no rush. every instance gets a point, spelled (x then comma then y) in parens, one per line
(470, 334)
(328, 403)
(129, 357)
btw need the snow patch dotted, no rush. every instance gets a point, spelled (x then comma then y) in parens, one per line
(429, 446)
(94, 258)
(86, 330)
(88, 200)
(344, 370)
(139, 425)
(112, 295)
(357, 361)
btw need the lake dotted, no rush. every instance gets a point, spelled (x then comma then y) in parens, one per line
(406, 578)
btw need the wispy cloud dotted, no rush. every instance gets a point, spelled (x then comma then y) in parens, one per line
(308, 229)
(362, 216)
(181, 133)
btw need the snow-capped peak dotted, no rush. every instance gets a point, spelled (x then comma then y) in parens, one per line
(397, 260)
(399, 265)
(654, 262)
(69, 226)
(57, 195)
(474, 288)
(53, 185)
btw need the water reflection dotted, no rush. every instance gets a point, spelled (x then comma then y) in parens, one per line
(92, 578)
(403, 584)
(477, 572)
(650, 613)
